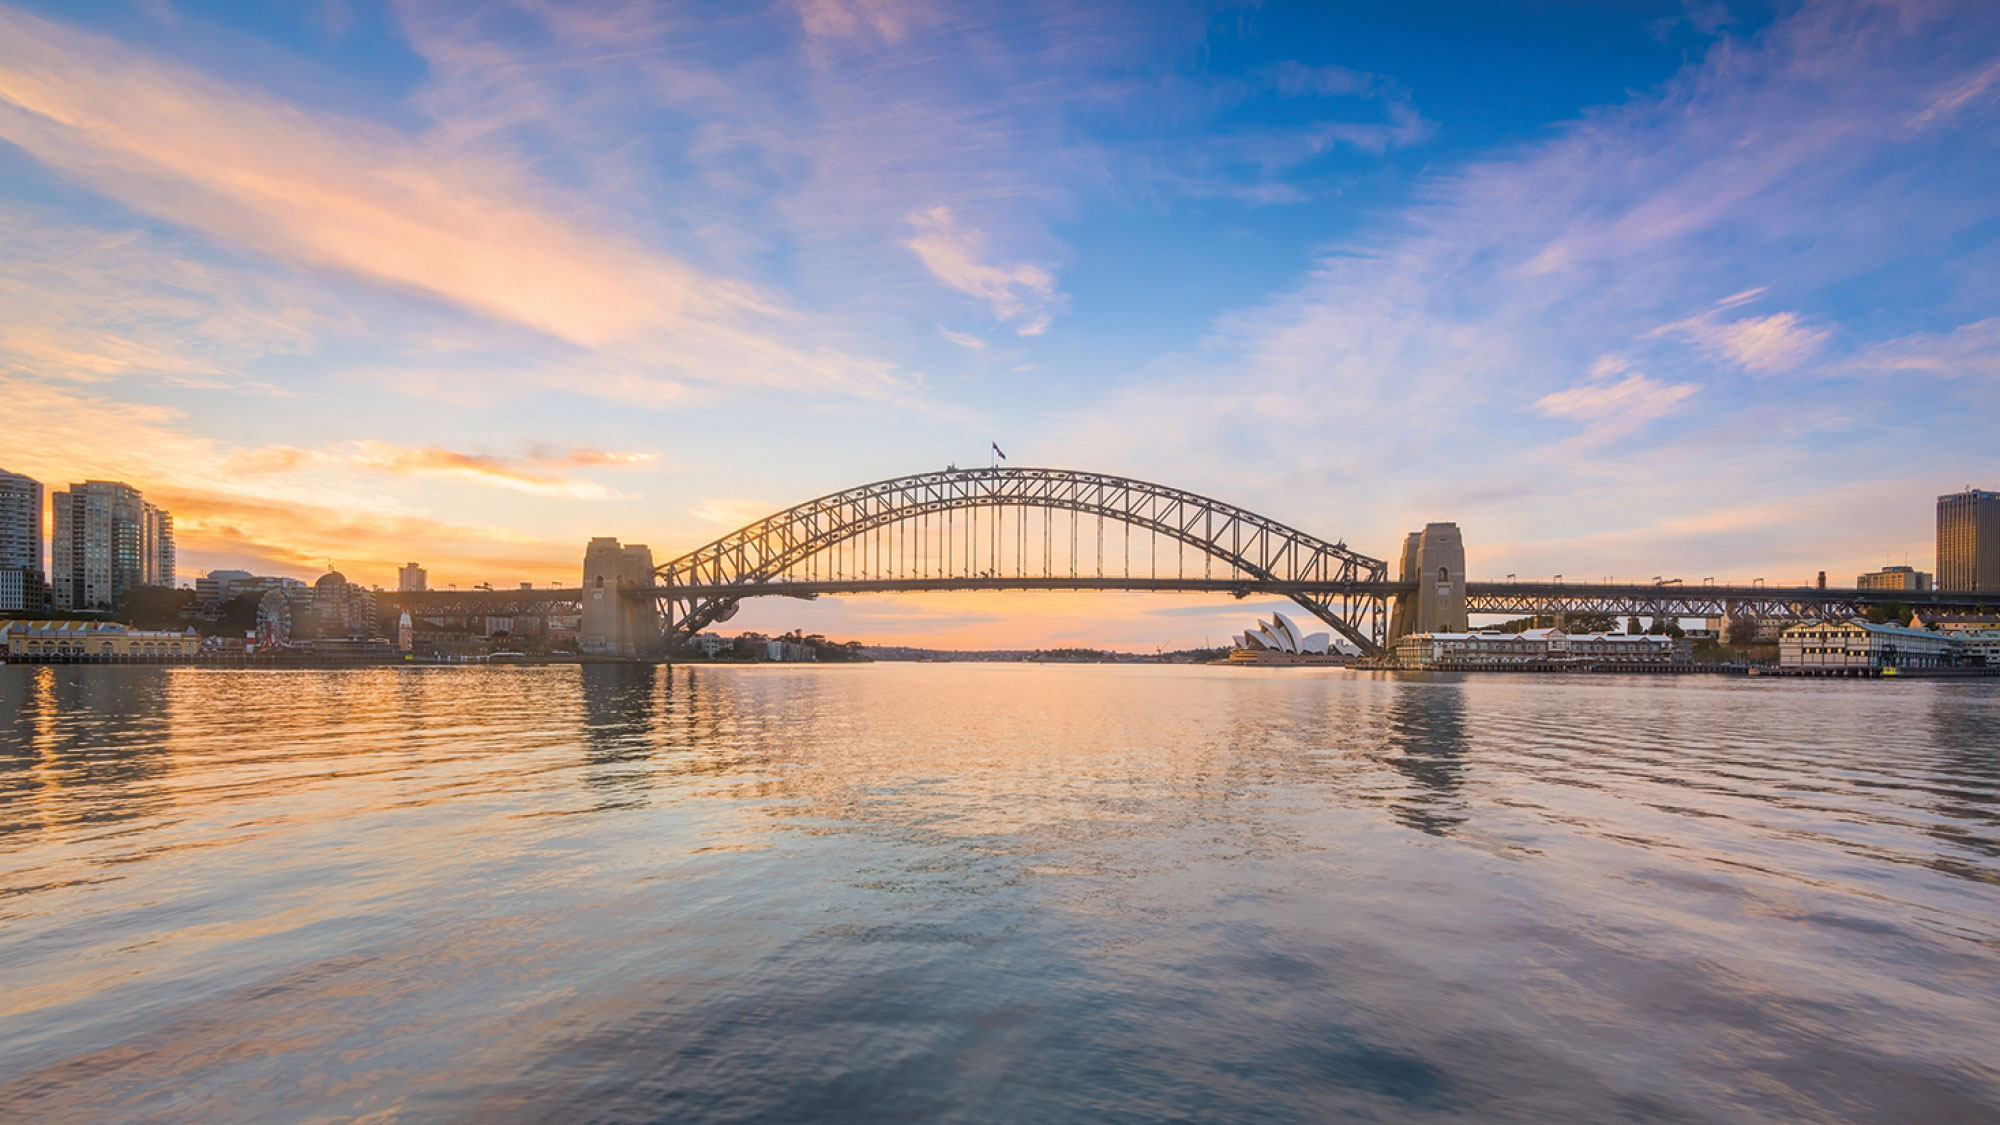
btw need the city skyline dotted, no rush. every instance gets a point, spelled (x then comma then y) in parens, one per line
(330, 283)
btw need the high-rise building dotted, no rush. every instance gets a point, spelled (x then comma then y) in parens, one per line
(1894, 578)
(218, 586)
(411, 578)
(341, 608)
(22, 579)
(107, 540)
(1968, 541)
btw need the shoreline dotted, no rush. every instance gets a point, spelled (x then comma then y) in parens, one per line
(264, 663)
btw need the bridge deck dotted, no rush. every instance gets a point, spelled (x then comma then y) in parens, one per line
(1481, 597)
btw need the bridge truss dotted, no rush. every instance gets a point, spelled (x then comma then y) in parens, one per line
(1766, 603)
(1021, 528)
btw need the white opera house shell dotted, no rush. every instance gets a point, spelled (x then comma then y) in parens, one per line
(1272, 641)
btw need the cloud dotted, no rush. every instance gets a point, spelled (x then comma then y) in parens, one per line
(1970, 351)
(1295, 79)
(963, 339)
(885, 19)
(732, 512)
(955, 256)
(1613, 410)
(225, 514)
(1958, 94)
(581, 455)
(1776, 169)
(295, 534)
(412, 212)
(1762, 344)
(531, 474)
(94, 305)
(477, 468)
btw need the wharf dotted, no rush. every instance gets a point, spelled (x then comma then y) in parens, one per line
(1891, 673)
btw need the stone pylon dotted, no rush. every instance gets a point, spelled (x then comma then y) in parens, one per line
(1434, 561)
(618, 620)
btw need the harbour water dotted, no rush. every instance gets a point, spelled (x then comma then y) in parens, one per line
(994, 893)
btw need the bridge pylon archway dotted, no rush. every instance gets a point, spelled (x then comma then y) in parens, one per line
(618, 618)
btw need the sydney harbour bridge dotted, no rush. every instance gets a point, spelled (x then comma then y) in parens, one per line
(1010, 529)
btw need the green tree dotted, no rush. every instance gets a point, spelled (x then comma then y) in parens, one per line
(238, 615)
(1591, 623)
(1632, 625)
(153, 607)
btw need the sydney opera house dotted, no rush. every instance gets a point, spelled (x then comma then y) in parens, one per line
(1278, 641)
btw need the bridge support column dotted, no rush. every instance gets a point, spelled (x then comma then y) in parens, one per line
(1434, 560)
(618, 620)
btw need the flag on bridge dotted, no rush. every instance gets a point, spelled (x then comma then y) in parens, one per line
(997, 451)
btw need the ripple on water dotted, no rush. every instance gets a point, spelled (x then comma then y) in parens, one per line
(993, 893)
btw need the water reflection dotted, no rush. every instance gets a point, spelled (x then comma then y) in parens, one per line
(619, 706)
(1019, 893)
(101, 731)
(1426, 744)
(1964, 724)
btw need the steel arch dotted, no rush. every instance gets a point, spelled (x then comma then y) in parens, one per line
(1262, 549)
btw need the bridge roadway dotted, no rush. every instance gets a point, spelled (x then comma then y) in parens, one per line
(1511, 598)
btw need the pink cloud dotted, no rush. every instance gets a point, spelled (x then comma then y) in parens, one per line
(366, 201)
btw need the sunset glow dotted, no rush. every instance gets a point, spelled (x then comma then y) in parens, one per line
(471, 283)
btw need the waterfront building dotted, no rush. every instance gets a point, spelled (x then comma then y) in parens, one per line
(1615, 648)
(341, 608)
(23, 590)
(782, 650)
(1863, 646)
(1484, 650)
(107, 540)
(710, 644)
(1980, 648)
(1551, 648)
(1957, 623)
(216, 587)
(257, 585)
(412, 579)
(1760, 628)
(1968, 541)
(1278, 641)
(23, 582)
(1894, 578)
(92, 639)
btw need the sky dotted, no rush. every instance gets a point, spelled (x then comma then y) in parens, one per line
(1625, 288)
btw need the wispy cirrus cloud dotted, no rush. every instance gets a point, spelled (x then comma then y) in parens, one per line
(536, 472)
(732, 512)
(1763, 168)
(230, 507)
(1612, 409)
(885, 20)
(956, 255)
(412, 212)
(1970, 351)
(1781, 341)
